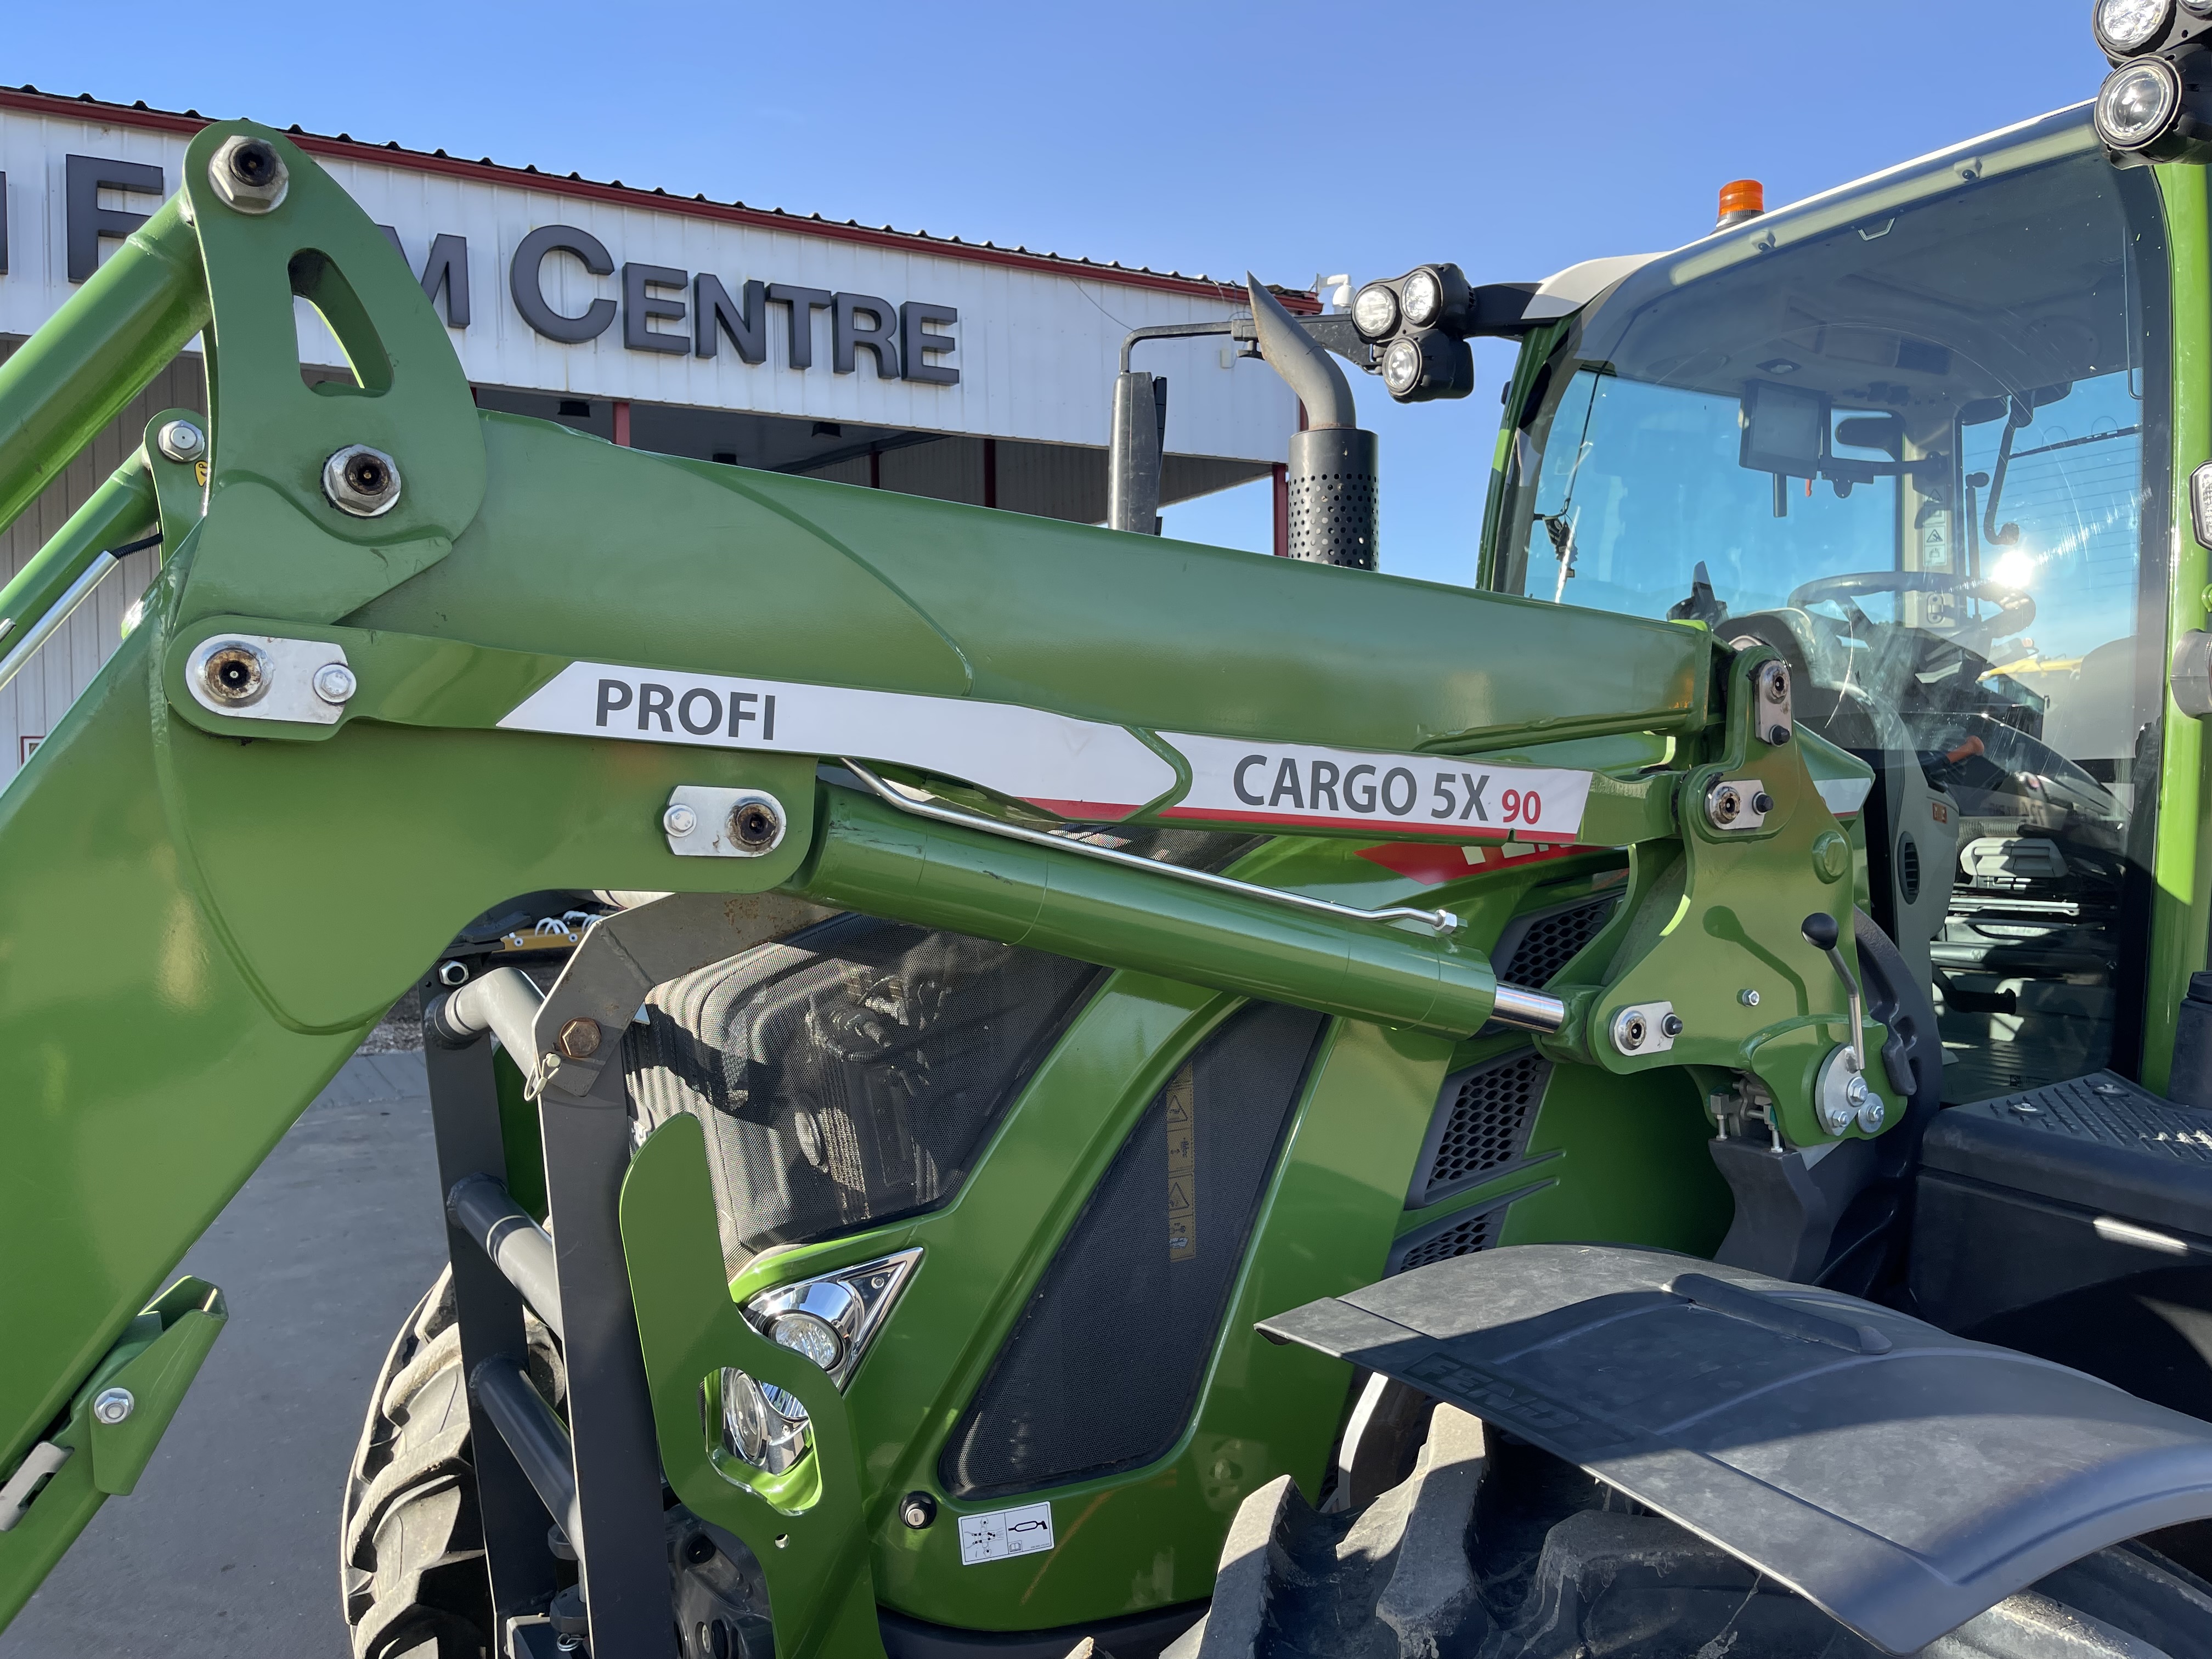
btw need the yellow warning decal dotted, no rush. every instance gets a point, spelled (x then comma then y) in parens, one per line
(1183, 1166)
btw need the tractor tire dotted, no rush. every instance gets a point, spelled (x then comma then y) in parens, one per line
(410, 1550)
(411, 1545)
(1494, 1549)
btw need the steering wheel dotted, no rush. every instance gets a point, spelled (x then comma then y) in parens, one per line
(2016, 609)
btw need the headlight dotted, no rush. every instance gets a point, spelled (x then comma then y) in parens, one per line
(2137, 103)
(1423, 297)
(765, 1427)
(2125, 26)
(1374, 313)
(1401, 367)
(803, 1333)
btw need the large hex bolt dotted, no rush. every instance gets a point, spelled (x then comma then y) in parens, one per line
(361, 481)
(579, 1038)
(248, 174)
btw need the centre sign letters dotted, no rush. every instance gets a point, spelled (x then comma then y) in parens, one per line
(663, 308)
(669, 310)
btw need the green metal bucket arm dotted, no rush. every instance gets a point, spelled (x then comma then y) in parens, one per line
(269, 853)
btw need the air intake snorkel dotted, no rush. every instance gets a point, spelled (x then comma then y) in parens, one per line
(1332, 470)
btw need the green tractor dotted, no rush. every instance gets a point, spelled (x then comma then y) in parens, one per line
(1106, 1095)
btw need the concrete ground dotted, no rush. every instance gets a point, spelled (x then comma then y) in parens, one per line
(228, 1548)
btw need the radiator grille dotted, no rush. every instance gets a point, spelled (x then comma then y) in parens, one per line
(1548, 940)
(1461, 1238)
(1485, 1112)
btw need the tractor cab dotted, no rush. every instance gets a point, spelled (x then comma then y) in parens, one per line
(1911, 434)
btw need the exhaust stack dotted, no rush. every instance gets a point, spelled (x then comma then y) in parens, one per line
(1333, 462)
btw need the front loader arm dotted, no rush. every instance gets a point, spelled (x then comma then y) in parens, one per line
(546, 637)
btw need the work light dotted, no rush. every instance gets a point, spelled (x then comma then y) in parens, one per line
(1374, 313)
(1422, 297)
(2137, 103)
(2126, 26)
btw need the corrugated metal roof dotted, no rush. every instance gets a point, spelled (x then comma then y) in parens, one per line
(393, 154)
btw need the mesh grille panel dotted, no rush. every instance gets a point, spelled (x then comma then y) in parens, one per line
(1487, 1112)
(1461, 1238)
(1102, 1368)
(1548, 941)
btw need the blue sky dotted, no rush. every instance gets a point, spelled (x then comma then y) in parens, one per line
(1293, 139)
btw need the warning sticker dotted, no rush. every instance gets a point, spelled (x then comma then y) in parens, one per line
(1351, 789)
(1002, 1532)
(1183, 1166)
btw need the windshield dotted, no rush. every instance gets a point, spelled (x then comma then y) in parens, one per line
(1909, 450)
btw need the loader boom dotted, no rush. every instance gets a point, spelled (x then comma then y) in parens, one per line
(543, 637)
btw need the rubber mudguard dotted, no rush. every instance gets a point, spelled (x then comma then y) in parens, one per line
(1899, 1477)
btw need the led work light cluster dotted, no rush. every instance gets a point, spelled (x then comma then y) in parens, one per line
(1417, 325)
(2156, 105)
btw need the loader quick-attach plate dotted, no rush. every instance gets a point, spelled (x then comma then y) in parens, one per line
(1901, 1479)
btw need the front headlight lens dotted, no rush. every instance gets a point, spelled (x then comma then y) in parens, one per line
(1423, 297)
(2125, 26)
(2137, 103)
(1375, 311)
(803, 1333)
(1401, 367)
(762, 1424)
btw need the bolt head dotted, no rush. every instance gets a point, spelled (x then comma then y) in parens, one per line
(1856, 1092)
(180, 440)
(1777, 736)
(580, 1039)
(680, 820)
(917, 1509)
(1748, 997)
(114, 1405)
(361, 481)
(1872, 1113)
(248, 174)
(1672, 1025)
(451, 974)
(334, 682)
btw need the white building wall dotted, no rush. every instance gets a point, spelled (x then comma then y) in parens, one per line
(1038, 351)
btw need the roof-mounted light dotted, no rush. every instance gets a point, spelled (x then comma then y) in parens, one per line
(2126, 26)
(2137, 104)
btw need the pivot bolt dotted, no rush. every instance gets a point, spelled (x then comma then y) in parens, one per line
(236, 673)
(756, 825)
(917, 1509)
(114, 1405)
(680, 820)
(1724, 806)
(334, 682)
(1630, 1032)
(361, 481)
(452, 974)
(248, 174)
(580, 1039)
(1774, 681)
(180, 440)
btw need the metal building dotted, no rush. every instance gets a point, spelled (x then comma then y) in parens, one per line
(883, 358)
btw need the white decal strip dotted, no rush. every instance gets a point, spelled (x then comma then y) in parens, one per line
(1077, 768)
(1002, 1532)
(1290, 783)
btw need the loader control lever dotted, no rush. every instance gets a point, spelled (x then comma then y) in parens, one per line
(1843, 1093)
